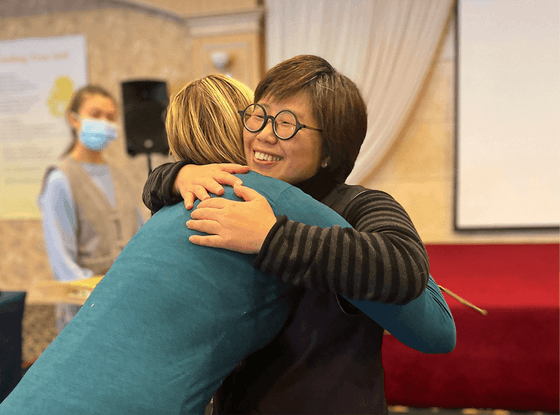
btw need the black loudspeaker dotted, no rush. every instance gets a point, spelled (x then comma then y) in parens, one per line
(145, 104)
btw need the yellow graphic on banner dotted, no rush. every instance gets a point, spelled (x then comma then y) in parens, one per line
(60, 95)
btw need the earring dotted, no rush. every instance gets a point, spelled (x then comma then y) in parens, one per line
(325, 163)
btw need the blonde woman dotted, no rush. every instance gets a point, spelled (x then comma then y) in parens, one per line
(170, 319)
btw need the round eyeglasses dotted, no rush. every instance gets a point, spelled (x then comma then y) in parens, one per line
(284, 124)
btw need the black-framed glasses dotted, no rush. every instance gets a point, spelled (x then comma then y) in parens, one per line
(284, 124)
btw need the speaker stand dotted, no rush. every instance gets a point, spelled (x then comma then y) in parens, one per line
(149, 155)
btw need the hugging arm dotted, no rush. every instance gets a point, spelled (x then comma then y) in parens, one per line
(382, 253)
(424, 324)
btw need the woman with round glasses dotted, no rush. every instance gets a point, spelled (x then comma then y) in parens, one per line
(327, 359)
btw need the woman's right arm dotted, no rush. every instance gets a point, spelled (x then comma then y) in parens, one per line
(59, 228)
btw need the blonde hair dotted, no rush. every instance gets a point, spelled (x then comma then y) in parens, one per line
(203, 123)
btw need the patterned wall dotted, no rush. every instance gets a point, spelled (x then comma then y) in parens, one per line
(122, 44)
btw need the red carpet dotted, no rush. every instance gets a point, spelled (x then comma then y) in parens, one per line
(508, 359)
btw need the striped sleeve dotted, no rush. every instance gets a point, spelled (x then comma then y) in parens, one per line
(382, 258)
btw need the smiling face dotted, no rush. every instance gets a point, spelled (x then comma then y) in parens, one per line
(293, 160)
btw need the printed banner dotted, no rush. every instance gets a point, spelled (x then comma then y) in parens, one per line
(37, 79)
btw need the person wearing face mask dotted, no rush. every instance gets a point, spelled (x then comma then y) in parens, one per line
(88, 214)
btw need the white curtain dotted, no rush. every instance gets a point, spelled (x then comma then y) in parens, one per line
(386, 46)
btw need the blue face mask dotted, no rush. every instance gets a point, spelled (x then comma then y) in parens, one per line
(97, 134)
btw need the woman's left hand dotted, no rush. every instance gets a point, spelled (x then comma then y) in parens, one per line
(237, 226)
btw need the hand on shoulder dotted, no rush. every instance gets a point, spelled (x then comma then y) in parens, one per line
(195, 182)
(237, 226)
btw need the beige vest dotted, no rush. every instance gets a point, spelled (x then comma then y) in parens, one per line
(103, 230)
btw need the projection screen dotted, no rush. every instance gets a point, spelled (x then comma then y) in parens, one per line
(507, 135)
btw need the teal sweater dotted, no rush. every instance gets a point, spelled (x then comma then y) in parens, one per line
(168, 322)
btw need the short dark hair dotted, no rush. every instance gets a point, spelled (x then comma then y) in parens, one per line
(336, 103)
